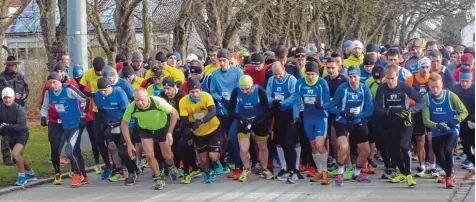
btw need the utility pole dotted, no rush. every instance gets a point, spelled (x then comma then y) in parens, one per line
(77, 33)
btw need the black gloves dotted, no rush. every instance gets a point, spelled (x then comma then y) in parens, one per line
(442, 127)
(296, 121)
(44, 122)
(318, 105)
(452, 123)
(394, 110)
(225, 102)
(348, 116)
(276, 105)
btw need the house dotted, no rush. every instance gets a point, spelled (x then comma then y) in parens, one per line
(467, 34)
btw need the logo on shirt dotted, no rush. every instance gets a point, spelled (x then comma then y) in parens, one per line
(393, 96)
(439, 109)
(114, 103)
(278, 89)
(310, 91)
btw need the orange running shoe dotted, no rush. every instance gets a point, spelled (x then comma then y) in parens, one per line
(64, 160)
(77, 179)
(316, 178)
(324, 178)
(312, 172)
(235, 174)
(450, 183)
(470, 176)
(85, 180)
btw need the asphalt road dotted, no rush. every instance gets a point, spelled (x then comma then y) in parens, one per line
(255, 189)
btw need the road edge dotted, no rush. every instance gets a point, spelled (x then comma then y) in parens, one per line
(38, 182)
(462, 191)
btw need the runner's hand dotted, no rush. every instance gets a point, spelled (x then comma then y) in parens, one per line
(318, 105)
(470, 125)
(452, 123)
(197, 124)
(44, 122)
(296, 121)
(131, 150)
(348, 116)
(169, 139)
(442, 127)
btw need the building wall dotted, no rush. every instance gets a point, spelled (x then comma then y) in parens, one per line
(467, 34)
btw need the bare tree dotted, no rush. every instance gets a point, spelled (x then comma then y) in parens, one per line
(108, 44)
(125, 28)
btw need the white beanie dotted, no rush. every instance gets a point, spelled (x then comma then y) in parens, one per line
(192, 57)
(8, 92)
(356, 44)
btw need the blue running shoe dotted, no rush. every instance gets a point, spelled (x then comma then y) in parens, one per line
(30, 178)
(437, 167)
(218, 168)
(21, 181)
(105, 174)
(461, 156)
(466, 164)
(208, 179)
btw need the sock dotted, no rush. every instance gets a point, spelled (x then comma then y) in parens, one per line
(315, 157)
(422, 166)
(432, 166)
(356, 171)
(323, 160)
(21, 174)
(30, 172)
(281, 157)
(298, 156)
(340, 169)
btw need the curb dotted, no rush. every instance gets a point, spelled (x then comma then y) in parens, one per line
(462, 191)
(38, 182)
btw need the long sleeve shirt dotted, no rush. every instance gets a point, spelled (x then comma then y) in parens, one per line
(222, 84)
(307, 94)
(14, 116)
(72, 93)
(398, 97)
(348, 100)
(455, 103)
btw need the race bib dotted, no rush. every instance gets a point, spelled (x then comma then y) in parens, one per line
(278, 97)
(226, 95)
(309, 100)
(355, 110)
(198, 116)
(59, 107)
(116, 130)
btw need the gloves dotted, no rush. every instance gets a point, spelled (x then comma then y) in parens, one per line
(442, 127)
(348, 116)
(43, 121)
(394, 110)
(296, 121)
(276, 104)
(225, 102)
(470, 125)
(197, 124)
(452, 123)
(318, 106)
(406, 116)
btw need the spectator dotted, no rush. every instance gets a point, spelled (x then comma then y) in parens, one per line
(13, 79)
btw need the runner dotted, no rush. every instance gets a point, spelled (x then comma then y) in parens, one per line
(436, 67)
(196, 72)
(169, 69)
(356, 58)
(13, 124)
(393, 58)
(130, 76)
(249, 106)
(419, 82)
(367, 66)
(465, 91)
(442, 112)
(112, 102)
(352, 104)
(65, 99)
(313, 92)
(214, 62)
(280, 92)
(151, 114)
(416, 50)
(392, 104)
(156, 88)
(111, 74)
(199, 121)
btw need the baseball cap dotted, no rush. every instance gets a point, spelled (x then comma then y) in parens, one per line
(193, 84)
(256, 59)
(467, 59)
(8, 92)
(424, 62)
(377, 72)
(103, 83)
(168, 81)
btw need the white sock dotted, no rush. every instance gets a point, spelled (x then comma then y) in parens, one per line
(323, 160)
(316, 161)
(282, 160)
(298, 154)
(340, 169)
(422, 166)
(432, 166)
(356, 171)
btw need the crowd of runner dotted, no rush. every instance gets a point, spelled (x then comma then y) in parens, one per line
(277, 114)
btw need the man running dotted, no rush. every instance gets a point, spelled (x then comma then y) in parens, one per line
(112, 102)
(65, 99)
(313, 93)
(151, 114)
(352, 104)
(196, 72)
(393, 58)
(13, 124)
(199, 121)
(392, 104)
(248, 104)
(443, 112)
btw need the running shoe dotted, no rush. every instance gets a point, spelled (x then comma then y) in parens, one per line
(461, 156)
(117, 177)
(466, 164)
(312, 172)
(443, 179)
(30, 177)
(208, 179)
(244, 175)
(180, 172)
(437, 167)
(340, 179)
(159, 184)
(360, 178)
(399, 178)
(348, 173)
(420, 172)
(21, 181)
(57, 180)
(333, 173)
(299, 175)
(316, 178)
(302, 167)
(173, 172)
(434, 173)
(450, 183)
(195, 173)
(267, 174)
(131, 179)
(325, 178)
(292, 178)
(77, 178)
(186, 179)
(105, 174)
(85, 180)
(410, 181)
(282, 175)
(368, 170)
(97, 169)
(235, 174)
(219, 168)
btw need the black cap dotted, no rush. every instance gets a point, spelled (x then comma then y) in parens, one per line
(195, 63)
(369, 59)
(193, 84)
(59, 66)
(371, 48)
(195, 69)
(120, 58)
(127, 71)
(292, 52)
(300, 52)
(312, 66)
(160, 56)
(170, 54)
(103, 83)
(55, 76)
(98, 64)
(256, 59)
(168, 81)
(377, 72)
(224, 53)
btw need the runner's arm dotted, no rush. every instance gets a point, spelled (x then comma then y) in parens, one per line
(426, 114)
(74, 93)
(380, 108)
(264, 105)
(414, 95)
(368, 105)
(126, 118)
(213, 90)
(297, 100)
(459, 107)
(269, 91)
(332, 105)
(292, 90)
(232, 105)
(45, 106)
